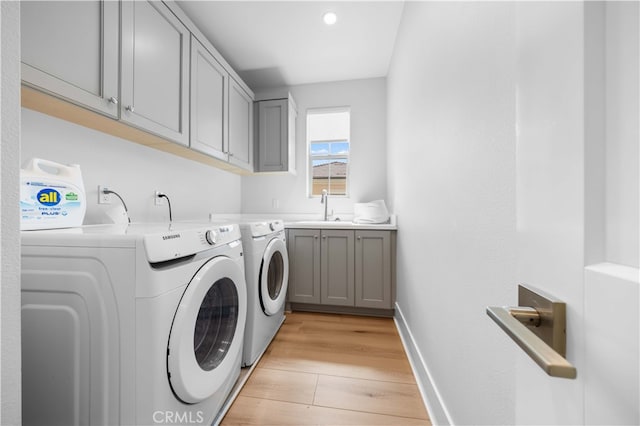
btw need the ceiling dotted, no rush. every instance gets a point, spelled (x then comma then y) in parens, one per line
(286, 43)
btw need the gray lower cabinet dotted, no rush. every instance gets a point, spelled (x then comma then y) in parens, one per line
(155, 65)
(70, 49)
(209, 88)
(341, 268)
(373, 269)
(336, 267)
(240, 126)
(303, 247)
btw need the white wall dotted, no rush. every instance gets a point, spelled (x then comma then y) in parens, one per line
(367, 167)
(132, 170)
(622, 133)
(10, 370)
(451, 170)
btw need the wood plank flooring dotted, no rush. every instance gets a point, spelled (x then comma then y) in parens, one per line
(326, 369)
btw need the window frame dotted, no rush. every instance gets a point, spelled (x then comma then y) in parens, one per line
(329, 156)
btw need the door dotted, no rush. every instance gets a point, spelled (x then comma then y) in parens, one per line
(337, 267)
(304, 277)
(274, 277)
(155, 65)
(240, 126)
(207, 332)
(71, 49)
(209, 83)
(577, 183)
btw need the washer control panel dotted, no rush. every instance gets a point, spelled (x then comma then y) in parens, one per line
(180, 240)
(267, 227)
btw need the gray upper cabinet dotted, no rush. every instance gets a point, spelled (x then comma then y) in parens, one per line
(144, 64)
(209, 90)
(373, 269)
(240, 126)
(275, 135)
(155, 55)
(70, 49)
(336, 269)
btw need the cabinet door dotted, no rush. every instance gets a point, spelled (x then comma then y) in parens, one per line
(209, 82)
(336, 276)
(155, 54)
(70, 49)
(272, 135)
(240, 126)
(373, 269)
(304, 265)
(293, 115)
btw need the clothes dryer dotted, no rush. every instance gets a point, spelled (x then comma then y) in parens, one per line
(267, 277)
(131, 324)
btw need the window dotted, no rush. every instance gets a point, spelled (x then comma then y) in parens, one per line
(329, 147)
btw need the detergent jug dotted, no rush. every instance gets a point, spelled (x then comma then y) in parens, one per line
(51, 197)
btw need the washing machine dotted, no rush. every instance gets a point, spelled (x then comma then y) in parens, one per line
(131, 324)
(267, 276)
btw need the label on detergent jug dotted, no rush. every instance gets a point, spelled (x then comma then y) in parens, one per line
(47, 205)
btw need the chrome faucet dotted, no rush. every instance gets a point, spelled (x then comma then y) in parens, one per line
(324, 199)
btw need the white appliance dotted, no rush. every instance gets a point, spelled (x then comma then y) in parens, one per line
(267, 275)
(131, 324)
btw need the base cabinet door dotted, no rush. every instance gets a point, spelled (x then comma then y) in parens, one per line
(304, 265)
(373, 269)
(336, 268)
(70, 49)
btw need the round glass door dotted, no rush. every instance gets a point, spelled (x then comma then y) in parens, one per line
(206, 337)
(274, 276)
(216, 324)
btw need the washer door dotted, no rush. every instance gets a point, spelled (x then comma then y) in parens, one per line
(274, 276)
(207, 331)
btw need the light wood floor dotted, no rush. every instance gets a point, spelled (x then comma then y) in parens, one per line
(331, 369)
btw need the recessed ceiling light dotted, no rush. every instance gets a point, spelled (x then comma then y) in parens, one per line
(330, 18)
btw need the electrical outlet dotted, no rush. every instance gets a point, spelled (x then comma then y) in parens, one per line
(102, 197)
(157, 199)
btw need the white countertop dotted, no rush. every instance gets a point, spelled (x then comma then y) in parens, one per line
(345, 223)
(309, 221)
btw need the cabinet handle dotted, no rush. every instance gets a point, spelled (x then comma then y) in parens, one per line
(113, 100)
(358, 238)
(315, 236)
(130, 108)
(324, 237)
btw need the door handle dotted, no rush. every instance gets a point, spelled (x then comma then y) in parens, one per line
(538, 326)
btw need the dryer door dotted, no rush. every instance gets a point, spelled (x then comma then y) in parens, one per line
(274, 276)
(207, 331)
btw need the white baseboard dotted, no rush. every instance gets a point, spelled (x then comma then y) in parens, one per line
(430, 395)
